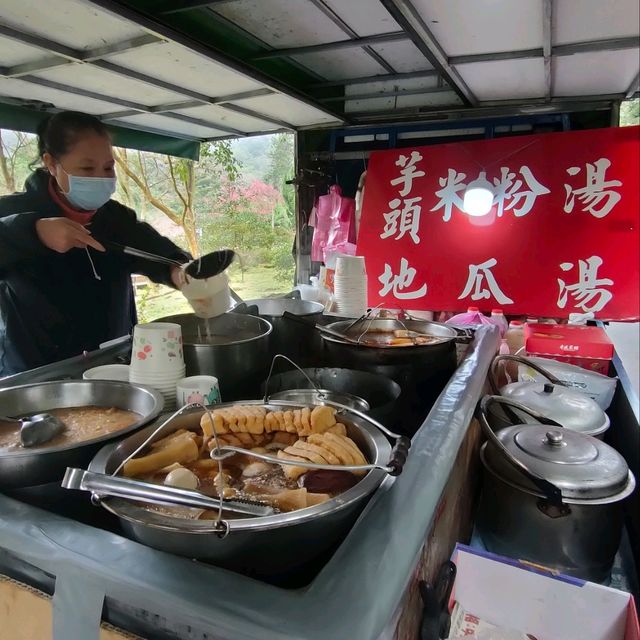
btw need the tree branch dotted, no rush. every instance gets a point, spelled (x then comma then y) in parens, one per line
(144, 187)
(175, 186)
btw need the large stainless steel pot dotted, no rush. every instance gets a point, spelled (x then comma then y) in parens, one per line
(232, 347)
(264, 546)
(35, 466)
(296, 341)
(379, 391)
(553, 399)
(421, 371)
(551, 495)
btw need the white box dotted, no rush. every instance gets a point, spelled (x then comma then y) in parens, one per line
(516, 596)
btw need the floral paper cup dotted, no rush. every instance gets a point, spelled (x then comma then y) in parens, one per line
(200, 389)
(157, 348)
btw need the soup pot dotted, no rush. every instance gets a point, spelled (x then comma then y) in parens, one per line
(422, 371)
(551, 495)
(296, 341)
(267, 545)
(41, 465)
(554, 399)
(232, 347)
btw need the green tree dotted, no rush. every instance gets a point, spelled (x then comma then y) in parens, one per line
(281, 169)
(630, 113)
(17, 150)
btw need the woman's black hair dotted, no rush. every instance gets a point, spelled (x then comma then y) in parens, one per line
(59, 132)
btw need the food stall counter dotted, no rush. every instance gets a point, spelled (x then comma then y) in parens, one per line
(356, 595)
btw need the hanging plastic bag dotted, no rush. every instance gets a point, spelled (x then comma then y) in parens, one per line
(334, 223)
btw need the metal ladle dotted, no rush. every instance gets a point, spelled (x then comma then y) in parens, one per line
(37, 429)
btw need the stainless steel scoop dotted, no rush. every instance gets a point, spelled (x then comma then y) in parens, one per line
(37, 429)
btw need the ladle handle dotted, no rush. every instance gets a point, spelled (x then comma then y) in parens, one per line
(520, 360)
(550, 491)
(326, 330)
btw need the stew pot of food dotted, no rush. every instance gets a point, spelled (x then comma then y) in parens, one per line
(315, 466)
(92, 411)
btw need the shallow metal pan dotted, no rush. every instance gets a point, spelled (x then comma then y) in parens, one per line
(40, 465)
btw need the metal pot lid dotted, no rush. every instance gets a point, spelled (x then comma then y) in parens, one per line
(572, 409)
(581, 466)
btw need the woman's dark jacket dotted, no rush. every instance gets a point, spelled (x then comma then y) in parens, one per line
(52, 306)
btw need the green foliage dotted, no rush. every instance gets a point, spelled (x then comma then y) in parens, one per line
(630, 113)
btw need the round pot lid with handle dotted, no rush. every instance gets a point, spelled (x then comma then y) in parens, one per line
(572, 409)
(582, 467)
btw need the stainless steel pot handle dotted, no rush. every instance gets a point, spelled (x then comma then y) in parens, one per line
(551, 492)
(520, 360)
(290, 361)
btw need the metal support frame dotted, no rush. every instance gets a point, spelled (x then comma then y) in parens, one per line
(190, 5)
(387, 94)
(547, 17)
(165, 31)
(351, 43)
(322, 6)
(392, 77)
(405, 14)
(95, 57)
(608, 44)
(491, 109)
(65, 55)
(634, 87)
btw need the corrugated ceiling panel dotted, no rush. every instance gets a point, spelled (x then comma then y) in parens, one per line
(346, 63)
(584, 20)
(224, 117)
(12, 52)
(287, 109)
(14, 88)
(595, 73)
(402, 102)
(403, 56)
(110, 84)
(505, 79)
(463, 27)
(163, 123)
(366, 18)
(66, 22)
(178, 65)
(283, 23)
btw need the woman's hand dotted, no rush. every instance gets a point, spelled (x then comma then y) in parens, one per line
(62, 234)
(178, 277)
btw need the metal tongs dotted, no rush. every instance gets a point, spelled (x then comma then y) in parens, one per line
(100, 485)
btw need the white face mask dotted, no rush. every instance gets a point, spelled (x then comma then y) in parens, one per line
(89, 193)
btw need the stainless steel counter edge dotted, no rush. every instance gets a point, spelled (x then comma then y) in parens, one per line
(355, 595)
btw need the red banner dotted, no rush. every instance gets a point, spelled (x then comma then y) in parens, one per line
(561, 236)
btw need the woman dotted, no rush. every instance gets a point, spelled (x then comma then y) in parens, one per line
(61, 292)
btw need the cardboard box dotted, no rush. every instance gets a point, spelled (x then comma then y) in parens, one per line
(548, 606)
(584, 346)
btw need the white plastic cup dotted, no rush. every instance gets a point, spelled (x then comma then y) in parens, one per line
(200, 389)
(208, 297)
(114, 372)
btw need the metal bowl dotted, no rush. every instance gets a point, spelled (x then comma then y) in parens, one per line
(260, 546)
(379, 392)
(40, 465)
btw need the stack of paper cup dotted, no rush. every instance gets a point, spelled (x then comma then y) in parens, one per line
(157, 358)
(350, 286)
